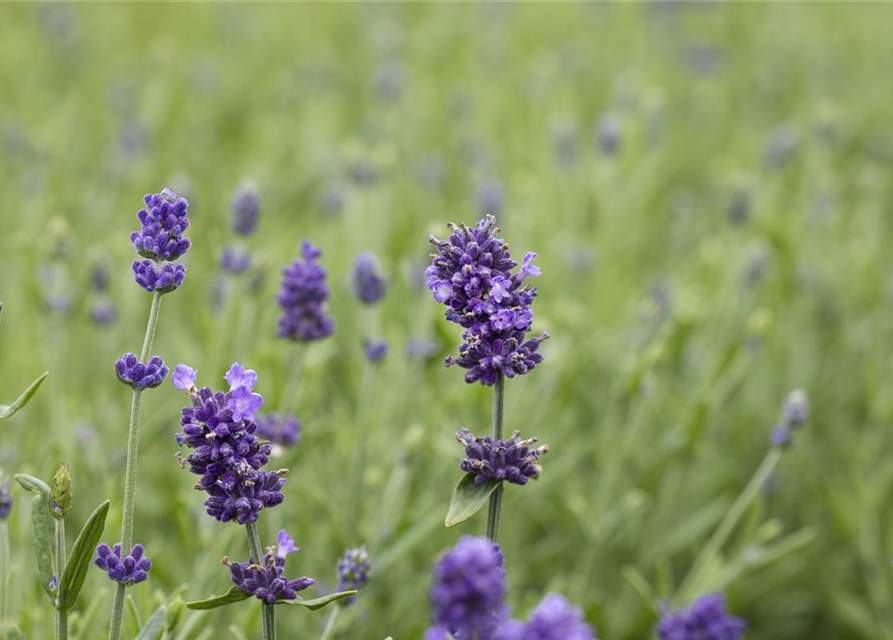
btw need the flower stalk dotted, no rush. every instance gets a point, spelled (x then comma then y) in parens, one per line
(61, 615)
(268, 613)
(495, 507)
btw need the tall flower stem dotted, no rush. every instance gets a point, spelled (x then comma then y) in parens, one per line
(61, 616)
(692, 581)
(496, 497)
(257, 556)
(330, 623)
(291, 388)
(133, 443)
(4, 576)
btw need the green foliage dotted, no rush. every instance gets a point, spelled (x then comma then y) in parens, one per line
(468, 498)
(81, 557)
(9, 410)
(43, 544)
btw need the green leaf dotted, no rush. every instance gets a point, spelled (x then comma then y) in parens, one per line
(318, 603)
(468, 498)
(235, 594)
(80, 558)
(32, 484)
(9, 410)
(42, 542)
(154, 626)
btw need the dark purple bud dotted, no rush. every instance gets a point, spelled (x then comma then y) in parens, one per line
(128, 570)
(164, 278)
(139, 375)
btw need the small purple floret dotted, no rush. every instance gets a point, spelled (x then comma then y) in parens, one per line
(127, 570)
(140, 375)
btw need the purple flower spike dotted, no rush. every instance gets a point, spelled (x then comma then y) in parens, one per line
(267, 581)
(794, 414)
(234, 262)
(246, 207)
(138, 375)
(376, 350)
(368, 284)
(5, 500)
(553, 619)
(279, 429)
(243, 403)
(303, 298)
(184, 378)
(163, 222)
(163, 279)
(127, 570)
(706, 619)
(239, 376)
(354, 570)
(512, 460)
(469, 587)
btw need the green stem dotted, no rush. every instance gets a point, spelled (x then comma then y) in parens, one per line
(61, 616)
(330, 623)
(257, 556)
(733, 516)
(133, 443)
(4, 577)
(359, 464)
(291, 387)
(495, 509)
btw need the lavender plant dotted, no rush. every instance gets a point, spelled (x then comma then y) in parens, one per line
(354, 570)
(705, 619)
(160, 242)
(228, 457)
(471, 274)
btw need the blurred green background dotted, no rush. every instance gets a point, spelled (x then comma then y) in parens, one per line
(708, 187)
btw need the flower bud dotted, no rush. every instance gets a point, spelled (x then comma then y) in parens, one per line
(60, 492)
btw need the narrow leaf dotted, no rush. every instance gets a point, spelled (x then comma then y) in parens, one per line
(81, 556)
(154, 626)
(318, 603)
(41, 541)
(32, 484)
(9, 410)
(235, 594)
(468, 498)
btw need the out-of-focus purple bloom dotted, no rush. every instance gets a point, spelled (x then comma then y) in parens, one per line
(332, 200)
(706, 619)
(184, 377)
(389, 80)
(608, 133)
(794, 414)
(368, 283)
(141, 375)
(163, 222)
(472, 275)
(468, 590)
(739, 208)
(267, 581)
(278, 429)
(246, 207)
(781, 145)
(103, 313)
(161, 278)
(99, 278)
(511, 459)
(376, 350)
(231, 261)
(354, 570)
(422, 347)
(58, 303)
(5, 500)
(127, 570)
(491, 197)
(303, 298)
(553, 619)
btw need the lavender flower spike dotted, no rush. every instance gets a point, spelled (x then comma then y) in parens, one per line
(267, 581)
(303, 298)
(127, 570)
(795, 412)
(246, 207)
(512, 460)
(354, 570)
(138, 375)
(368, 284)
(163, 222)
(468, 591)
(376, 350)
(5, 500)
(705, 619)
(553, 619)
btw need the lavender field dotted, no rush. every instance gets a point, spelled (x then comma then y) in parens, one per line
(649, 241)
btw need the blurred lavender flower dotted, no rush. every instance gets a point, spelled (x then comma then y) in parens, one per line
(127, 570)
(362, 171)
(279, 429)
(303, 298)
(706, 619)
(422, 348)
(739, 209)
(103, 313)
(491, 197)
(163, 223)
(332, 200)
(246, 207)
(140, 375)
(267, 581)
(471, 275)
(354, 570)
(376, 350)
(512, 460)
(99, 278)
(226, 453)
(369, 284)
(794, 414)
(781, 145)
(231, 261)
(389, 80)
(5, 499)
(553, 619)
(608, 133)
(468, 590)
